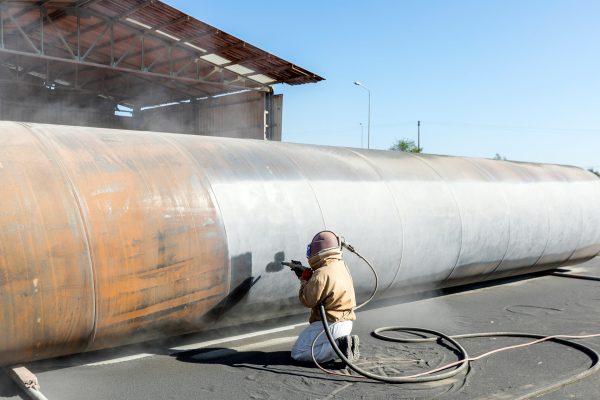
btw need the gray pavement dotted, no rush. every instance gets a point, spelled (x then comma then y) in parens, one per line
(233, 365)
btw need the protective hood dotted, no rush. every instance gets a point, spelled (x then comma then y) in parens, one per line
(318, 260)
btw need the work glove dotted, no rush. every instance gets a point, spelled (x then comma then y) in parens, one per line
(306, 274)
(302, 272)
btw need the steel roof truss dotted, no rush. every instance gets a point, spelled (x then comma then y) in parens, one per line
(125, 54)
(51, 36)
(61, 37)
(93, 45)
(16, 23)
(257, 85)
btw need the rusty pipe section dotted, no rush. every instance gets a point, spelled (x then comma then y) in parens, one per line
(109, 237)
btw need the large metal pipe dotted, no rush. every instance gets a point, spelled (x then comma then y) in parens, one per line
(109, 237)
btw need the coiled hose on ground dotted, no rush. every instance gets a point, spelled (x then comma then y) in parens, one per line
(464, 359)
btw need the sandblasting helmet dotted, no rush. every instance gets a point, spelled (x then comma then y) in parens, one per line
(323, 240)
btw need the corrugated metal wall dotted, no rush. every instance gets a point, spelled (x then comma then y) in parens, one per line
(27, 103)
(239, 116)
(242, 115)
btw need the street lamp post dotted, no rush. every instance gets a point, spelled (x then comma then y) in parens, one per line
(357, 83)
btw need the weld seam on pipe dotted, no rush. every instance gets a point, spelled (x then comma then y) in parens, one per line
(396, 207)
(458, 210)
(213, 196)
(507, 211)
(54, 156)
(312, 189)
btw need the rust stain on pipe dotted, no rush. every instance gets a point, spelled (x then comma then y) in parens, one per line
(113, 239)
(46, 278)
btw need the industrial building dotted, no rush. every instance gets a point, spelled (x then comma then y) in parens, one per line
(136, 64)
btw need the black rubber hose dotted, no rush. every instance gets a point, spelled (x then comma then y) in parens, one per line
(594, 356)
(399, 379)
(376, 286)
(463, 362)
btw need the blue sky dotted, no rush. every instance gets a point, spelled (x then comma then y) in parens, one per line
(515, 77)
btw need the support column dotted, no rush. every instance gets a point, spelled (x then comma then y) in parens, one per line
(138, 120)
(195, 116)
(273, 116)
(268, 115)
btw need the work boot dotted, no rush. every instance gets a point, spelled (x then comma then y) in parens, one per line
(354, 347)
(344, 343)
(345, 346)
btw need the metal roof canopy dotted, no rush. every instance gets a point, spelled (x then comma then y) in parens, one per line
(135, 52)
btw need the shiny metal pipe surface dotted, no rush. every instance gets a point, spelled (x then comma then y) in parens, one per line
(109, 237)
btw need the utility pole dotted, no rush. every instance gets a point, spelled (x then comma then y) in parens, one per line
(361, 135)
(418, 134)
(357, 83)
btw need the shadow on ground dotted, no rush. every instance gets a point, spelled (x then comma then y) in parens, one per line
(8, 388)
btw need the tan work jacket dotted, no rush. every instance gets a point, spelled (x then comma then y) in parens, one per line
(331, 282)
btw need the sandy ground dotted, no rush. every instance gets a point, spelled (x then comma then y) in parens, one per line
(260, 367)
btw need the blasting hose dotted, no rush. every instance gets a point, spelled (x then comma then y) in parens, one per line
(464, 359)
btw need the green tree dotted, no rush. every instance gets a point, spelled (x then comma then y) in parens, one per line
(499, 157)
(593, 171)
(406, 145)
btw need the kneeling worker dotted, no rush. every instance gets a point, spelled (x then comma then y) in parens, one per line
(327, 280)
